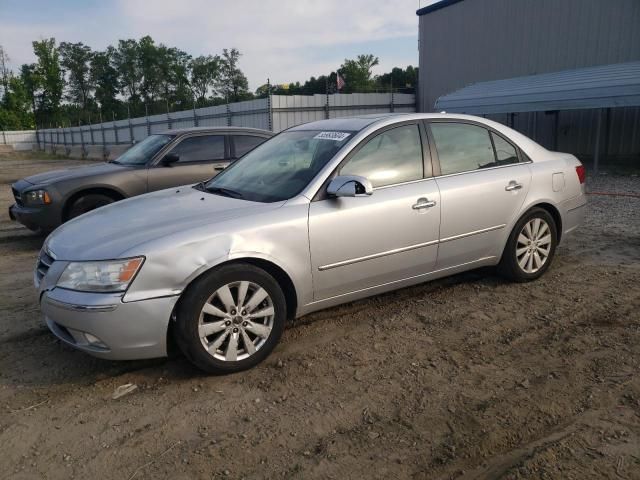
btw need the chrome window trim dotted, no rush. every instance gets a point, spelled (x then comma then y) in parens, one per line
(478, 170)
(429, 179)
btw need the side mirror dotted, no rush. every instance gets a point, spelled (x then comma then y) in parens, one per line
(169, 159)
(350, 186)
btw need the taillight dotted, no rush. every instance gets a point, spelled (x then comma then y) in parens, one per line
(582, 174)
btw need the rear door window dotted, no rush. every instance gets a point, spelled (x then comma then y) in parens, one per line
(462, 147)
(506, 153)
(202, 148)
(243, 144)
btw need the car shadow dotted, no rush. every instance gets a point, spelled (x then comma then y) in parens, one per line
(44, 360)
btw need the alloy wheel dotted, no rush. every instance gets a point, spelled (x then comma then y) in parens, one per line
(533, 245)
(236, 321)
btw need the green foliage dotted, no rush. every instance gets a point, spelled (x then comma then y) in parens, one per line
(48, 80)
(76, 59)
(358, 77)
(4, 72)
(399, 79)
(15, 108)
(127, 61)
(357, 73)
(205, 75)
(232, 84)
(139, 76)
(106, 81)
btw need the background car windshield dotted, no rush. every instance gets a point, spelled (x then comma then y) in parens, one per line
(142, 152)
(282, 167)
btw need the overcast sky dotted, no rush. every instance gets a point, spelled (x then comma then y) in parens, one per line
(286, 40)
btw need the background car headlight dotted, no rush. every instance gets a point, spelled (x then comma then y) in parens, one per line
(36, 197)
(103, 276)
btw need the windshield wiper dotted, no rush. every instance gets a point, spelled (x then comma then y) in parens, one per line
(227, 192)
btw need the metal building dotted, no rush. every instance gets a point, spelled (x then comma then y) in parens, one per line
(465, 42)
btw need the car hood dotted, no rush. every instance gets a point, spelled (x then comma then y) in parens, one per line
(110, 231)
(47, 178)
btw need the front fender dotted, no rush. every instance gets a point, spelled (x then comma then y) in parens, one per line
(168, 272)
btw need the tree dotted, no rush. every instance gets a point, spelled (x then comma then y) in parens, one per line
(104, 77)
(149, 60)
(205, 74)
(48, 78)
(357, 73)
(15, 108)
(4, 72)
(127, 63)
(173, 67)
(232, 84)
(399, 79)
(76, 58)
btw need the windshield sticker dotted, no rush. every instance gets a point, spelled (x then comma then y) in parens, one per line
(335, 136)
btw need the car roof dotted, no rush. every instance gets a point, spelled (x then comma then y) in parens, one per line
(182, 131)
(356, 123)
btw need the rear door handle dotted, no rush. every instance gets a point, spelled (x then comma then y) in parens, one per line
(423, 203)
(513, 185)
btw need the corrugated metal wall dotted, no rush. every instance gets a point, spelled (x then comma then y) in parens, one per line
(19, 139)
(284, 112)
(477, 40)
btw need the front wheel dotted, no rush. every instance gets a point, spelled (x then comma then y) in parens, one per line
(230, 319)
(531, 246)
(86, 203)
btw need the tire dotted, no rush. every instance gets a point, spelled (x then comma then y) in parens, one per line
(522, 255)
(222, 326)
(86, 203)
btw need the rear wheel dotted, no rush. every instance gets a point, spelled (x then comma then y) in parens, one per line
(88, 202)
(531, 246)
(230, 319)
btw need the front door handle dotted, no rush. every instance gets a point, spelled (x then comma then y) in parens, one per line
(423, 203)
(513, 185)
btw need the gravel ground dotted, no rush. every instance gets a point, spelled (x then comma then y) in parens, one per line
(466, 377)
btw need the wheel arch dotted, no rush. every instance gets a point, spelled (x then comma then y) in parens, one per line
(555, 214)
(545, 205)
(272, 268)
(276, 271)
(101, 190)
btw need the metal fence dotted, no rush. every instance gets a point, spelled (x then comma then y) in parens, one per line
(18, 139)
(275, 113)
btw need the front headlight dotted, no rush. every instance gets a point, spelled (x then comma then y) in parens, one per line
(103, 276)
(36, 197)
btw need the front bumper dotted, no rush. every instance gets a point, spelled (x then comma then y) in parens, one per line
(106, 327)
(34, 218)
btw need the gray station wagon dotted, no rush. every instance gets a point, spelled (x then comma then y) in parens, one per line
(164, 160)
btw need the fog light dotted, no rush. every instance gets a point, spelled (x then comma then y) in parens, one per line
(94, 341)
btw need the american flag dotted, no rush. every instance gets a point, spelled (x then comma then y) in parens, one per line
(339, 82)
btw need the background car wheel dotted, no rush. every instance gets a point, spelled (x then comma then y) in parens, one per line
(230, 319)
(531, 246)
(88, 202)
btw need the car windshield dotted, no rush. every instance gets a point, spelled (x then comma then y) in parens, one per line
(281, 167)
(142, 152)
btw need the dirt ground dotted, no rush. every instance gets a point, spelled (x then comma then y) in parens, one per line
(467, 377)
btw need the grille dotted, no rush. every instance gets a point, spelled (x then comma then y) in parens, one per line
(44, 263)
(17, 196)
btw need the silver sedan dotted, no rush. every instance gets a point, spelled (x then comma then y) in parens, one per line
(321, 214)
